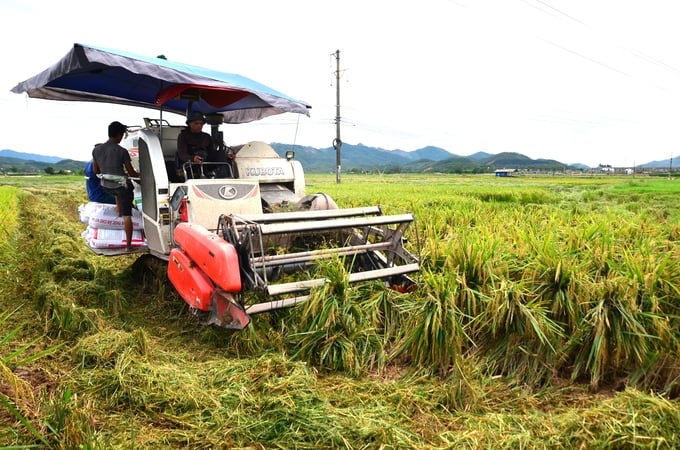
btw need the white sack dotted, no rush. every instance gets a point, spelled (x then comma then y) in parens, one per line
(103, 215)
(109, 238)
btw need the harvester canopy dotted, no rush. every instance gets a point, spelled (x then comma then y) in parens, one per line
(96, 74)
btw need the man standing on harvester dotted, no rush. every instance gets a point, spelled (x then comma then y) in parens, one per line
(113, 165)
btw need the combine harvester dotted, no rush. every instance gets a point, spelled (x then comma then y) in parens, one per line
(242, 225)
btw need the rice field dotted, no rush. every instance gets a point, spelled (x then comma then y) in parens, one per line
(8, 207)
(547, 316)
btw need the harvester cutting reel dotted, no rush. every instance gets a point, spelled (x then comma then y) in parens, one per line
(271, 246)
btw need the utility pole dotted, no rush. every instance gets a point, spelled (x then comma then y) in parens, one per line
(337, 142)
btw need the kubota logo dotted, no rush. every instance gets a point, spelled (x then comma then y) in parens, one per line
(227, 192)
(263, 171)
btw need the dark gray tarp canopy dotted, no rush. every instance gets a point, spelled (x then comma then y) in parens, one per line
(97, 74)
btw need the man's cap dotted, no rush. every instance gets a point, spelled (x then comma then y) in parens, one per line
(194, 116)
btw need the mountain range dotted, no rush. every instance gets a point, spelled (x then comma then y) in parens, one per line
(13, 161)
(427, 159)
(355, 158)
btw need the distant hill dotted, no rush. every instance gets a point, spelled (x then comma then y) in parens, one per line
(480, 155)
(662, 164)
(431, 153)
(509, 160)
(453, 164)
(580, 166)
(24, 162)
(30, 156)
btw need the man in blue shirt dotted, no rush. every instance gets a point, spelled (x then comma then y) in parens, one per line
(95, 192)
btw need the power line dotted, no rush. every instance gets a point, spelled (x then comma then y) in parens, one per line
(585, 57)
(561, 13)
(554, 12)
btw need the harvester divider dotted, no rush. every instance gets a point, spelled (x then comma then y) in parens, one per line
(275, 304)
(297, 286)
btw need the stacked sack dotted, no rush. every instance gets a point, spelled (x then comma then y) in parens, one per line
(105, 229)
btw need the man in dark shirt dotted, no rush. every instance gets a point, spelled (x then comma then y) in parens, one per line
(193, 144)
(111, 162)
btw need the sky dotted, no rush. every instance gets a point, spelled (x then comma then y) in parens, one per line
(579, 81)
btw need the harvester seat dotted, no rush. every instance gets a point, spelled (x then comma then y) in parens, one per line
(168, 137)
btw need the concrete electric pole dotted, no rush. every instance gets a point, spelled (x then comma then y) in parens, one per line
(337, 142)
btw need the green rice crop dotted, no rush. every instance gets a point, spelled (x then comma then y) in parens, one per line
(8, 212)
(547, 316)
